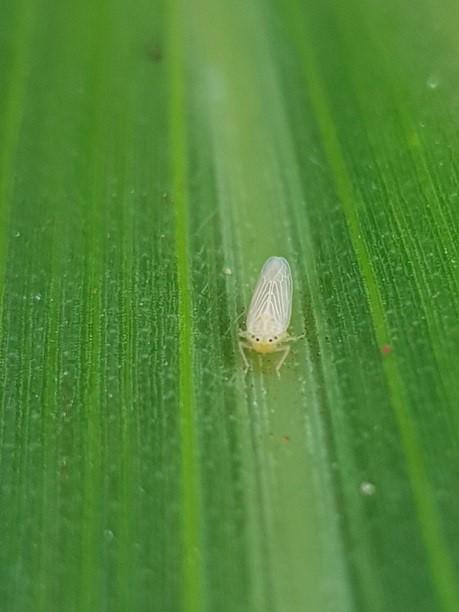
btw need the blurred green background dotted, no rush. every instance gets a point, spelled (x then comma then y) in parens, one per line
(152, 155)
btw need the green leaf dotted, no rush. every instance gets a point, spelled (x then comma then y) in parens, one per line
(152, 156)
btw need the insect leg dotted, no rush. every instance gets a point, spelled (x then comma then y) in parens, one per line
(286, 351)
(294, 338)
(242, 346)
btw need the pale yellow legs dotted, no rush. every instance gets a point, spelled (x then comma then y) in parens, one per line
(282, 349)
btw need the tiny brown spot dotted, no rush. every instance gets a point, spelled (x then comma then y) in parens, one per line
(154, 53)
(386, 349)
(285, 438)
(166, 198)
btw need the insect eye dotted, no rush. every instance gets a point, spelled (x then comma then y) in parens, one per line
(270, 340)
(258, 339)
(275, 337)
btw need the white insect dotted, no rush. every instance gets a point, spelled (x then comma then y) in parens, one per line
(269, 312)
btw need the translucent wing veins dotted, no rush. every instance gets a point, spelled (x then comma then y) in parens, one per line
(271, 305)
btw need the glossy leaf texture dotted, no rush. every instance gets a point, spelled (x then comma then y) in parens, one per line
(153, 155)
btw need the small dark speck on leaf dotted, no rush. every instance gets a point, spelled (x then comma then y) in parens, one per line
(154, 53)
(386, 349)
(285, 438)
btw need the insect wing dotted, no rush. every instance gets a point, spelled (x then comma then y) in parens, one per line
(271, 306)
